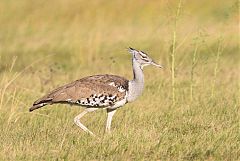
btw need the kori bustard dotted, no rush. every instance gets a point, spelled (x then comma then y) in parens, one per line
(101, 91)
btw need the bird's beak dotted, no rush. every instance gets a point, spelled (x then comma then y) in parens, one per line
(156, 64)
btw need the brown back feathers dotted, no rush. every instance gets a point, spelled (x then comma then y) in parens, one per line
(97, 90)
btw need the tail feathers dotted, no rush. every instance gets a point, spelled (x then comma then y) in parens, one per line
(40, 103)
(36, 106)
(42, 100)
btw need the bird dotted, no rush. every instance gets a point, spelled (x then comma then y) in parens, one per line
(105, 91)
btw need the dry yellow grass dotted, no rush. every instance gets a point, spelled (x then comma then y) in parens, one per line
(44, 44)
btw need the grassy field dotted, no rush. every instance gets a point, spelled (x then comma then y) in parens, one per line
(44, 44)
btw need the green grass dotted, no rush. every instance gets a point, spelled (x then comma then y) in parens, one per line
(44, 44)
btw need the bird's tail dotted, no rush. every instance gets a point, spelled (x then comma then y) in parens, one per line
(34, 107)
(40, 103)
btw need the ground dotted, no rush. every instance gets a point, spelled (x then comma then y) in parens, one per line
(44, 44)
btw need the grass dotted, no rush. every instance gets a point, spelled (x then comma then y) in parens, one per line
(173, 52)
(46, 44)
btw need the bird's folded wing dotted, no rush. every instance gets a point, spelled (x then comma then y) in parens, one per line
(98, 90)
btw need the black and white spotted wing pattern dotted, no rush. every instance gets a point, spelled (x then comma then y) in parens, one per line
(98, 100)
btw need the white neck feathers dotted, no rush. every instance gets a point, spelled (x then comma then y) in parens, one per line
(137, 84)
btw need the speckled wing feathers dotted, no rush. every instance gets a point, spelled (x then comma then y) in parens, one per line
(97, 90)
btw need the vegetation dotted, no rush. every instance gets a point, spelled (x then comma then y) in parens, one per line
(44, 44)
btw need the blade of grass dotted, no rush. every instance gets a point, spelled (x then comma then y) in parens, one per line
(216, 68)
(173, 54)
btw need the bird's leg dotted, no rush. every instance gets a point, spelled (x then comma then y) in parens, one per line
(110, 113)
(77, 119)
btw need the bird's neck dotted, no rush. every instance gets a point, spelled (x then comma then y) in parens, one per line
(137, 84)
(138, 76)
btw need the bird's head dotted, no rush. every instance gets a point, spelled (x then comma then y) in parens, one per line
(142, 58)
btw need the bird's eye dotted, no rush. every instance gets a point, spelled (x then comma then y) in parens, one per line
(145, 59)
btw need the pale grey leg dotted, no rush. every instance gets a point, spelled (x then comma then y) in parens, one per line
(77, 119)
(110, 113)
